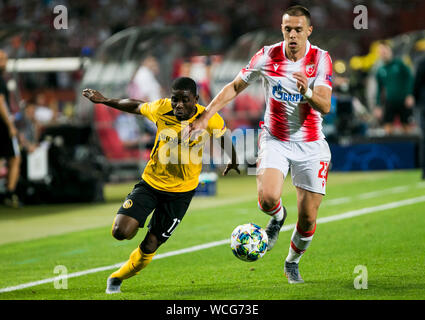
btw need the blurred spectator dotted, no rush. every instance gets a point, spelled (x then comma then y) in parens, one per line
(419, 93)
(394, 90)
(199, 69)
(130, 134)
(145, 85)
(352, 117)
(248, 111)
(28, 128)
(213, 30)
(9, 148)
(218, 26)
(43, 114)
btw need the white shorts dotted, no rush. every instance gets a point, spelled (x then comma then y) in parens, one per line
(308, 161)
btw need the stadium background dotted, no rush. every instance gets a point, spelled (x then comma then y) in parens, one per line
(81, 146)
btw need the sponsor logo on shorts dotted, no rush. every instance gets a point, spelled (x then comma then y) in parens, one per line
(127, 204)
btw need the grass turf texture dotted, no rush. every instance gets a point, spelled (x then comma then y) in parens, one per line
(389, 243)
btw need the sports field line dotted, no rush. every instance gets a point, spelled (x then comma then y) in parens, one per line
(372, 194)
(52, 225)
(341, 216)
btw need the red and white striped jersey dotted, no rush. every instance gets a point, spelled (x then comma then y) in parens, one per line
(288, 116)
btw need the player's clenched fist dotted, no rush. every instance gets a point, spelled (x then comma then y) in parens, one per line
(302, 82)
(94, 96)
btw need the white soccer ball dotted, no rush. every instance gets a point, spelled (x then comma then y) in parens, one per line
(249, 242)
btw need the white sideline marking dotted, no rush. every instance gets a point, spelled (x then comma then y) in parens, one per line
(345, 215)
(372, 194)
(383, 192)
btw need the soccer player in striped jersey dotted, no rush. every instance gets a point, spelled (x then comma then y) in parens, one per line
(297, 81)
(171, 176)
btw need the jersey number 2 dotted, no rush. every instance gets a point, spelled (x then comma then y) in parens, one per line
(323, 172)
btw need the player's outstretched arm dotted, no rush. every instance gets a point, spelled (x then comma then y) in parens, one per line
(127, 105)
(229, 149)
(226, 95)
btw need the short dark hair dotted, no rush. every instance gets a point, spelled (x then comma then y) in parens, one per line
(185, 83)
(299, 11)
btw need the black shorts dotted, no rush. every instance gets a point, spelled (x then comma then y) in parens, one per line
(393, 109)
(169, 208)
(9, 147)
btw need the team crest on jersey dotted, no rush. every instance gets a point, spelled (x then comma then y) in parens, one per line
(309, 69)
(127, 204)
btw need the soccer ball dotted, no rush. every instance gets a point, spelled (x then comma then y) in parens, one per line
(249, 242)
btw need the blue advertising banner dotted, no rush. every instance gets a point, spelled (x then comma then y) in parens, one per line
(373, 156)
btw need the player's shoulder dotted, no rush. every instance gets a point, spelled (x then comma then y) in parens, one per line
(216, 117)
(201, 109)
(321, 52)
(271, 49)
(161, 105)
(320, 55)
(267, 50)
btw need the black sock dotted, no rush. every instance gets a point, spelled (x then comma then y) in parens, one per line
(10, 193)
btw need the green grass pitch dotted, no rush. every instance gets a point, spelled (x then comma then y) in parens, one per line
(387, 240)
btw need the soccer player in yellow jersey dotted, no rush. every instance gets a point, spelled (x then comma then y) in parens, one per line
(171, 176)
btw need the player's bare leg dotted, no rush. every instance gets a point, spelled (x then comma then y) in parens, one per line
(308, 206)
(14, 164)
(138, 260)
(269, 188)
(123, 227)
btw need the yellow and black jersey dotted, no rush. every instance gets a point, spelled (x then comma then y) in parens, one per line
(175, 165)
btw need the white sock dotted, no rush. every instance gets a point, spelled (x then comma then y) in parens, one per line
(300, 241)
(276, 212)
(279, 215)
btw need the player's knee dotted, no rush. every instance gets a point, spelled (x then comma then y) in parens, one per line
(269, 200)
(121, 233)
(117, 233)
(124, 227)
